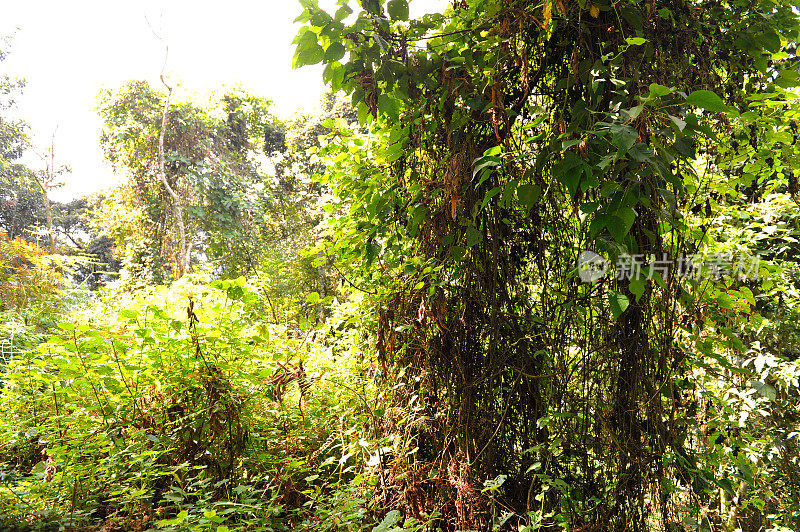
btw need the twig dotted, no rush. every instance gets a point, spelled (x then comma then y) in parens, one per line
(91, 383)
(351, 283)
(20, 499)
(58, 415)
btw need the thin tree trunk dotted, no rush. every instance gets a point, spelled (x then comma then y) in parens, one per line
(44, 185)
(182, 255)
(729, 525)
(48, 207)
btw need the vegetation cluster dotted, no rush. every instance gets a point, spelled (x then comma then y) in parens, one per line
(382, 317)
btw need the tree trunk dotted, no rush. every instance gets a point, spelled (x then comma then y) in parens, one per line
(182, 254)
(47, 206)
(44, 185)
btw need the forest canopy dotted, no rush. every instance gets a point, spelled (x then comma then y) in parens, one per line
(532, 266)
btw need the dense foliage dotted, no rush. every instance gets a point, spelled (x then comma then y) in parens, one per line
(507, 139)
(536, 272)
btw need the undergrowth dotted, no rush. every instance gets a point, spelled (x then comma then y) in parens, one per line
(188, 410)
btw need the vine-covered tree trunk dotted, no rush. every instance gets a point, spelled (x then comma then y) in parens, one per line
(515, 136)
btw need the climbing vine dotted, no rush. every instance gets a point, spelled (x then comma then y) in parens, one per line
(507, 140)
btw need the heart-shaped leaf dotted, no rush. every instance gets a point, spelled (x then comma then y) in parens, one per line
(619, 302)
(398, 9)
(707, 100)
(334, 52)
(528, 194)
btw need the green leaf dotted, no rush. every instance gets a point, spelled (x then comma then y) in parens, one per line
(634, 112)
(623, 137)
(707, 100)
(313, 298)
(528, 194)
(725, 484)
(657, 91)
(305, 16)
(636, 41)
(474, 236)
(457, 252)
(388, 106)
(342, 13)
(489, 195)
(641, 152)
(388, 521)
(748, 295)
(725, 301)
(627, 215)
(320, 19)
(371, 251)
(769, 41)
(64, 326)
(485, 162)
(569, 171)
(381, 42)
(618, 226)
(235, 293)
(788, 78)
(764, 389)
(619, 302)
(308, 55)
(680, 124)
(362, 111)
(397, 9)
(637, 287)
(745, 469)
(39, 469)
(495, 483)
(334, 52)
(597, 225)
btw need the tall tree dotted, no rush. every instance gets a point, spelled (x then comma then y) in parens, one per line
(21, 206)
(211, 161)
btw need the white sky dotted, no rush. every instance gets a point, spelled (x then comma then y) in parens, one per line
(68, 50)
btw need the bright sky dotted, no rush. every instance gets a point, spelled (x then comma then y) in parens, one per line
(68, 51)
